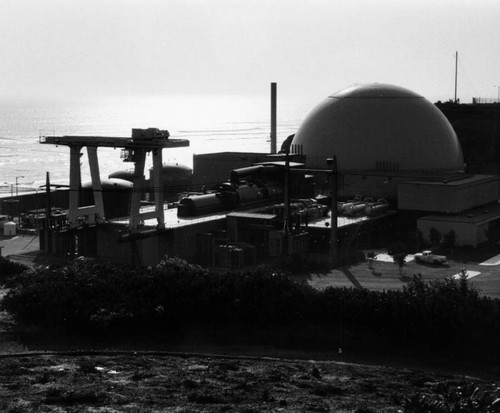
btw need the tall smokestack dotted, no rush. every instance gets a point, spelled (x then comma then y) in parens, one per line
(273, 117)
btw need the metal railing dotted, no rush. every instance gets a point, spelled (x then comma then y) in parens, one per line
(485, 100)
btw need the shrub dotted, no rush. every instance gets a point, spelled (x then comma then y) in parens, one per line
(455, 398)
(173, 293)
(435, 237)
(9, 268)
(443, 315)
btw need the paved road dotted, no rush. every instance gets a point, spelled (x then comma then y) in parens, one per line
(19, 244)
(385, 275)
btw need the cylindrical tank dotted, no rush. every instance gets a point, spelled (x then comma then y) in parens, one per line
(116, 195)
(372, 210)
(201, 204)
(344, 206)
(9, 229)
(127, 175)
(175, 177)
(355, 209)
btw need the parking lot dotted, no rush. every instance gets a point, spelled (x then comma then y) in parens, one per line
(482, 266)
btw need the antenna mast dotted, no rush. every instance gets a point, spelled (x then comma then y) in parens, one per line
(456, 74)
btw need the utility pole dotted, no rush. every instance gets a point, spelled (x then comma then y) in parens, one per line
(47, 232)
(333, 250)
(286, 198)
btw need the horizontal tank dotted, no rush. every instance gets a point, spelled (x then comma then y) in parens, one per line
(116, 194)
(175, 177)
(355, 209)
(205, 204)
(376, 209)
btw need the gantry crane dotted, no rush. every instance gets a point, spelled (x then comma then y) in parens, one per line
(134, 150)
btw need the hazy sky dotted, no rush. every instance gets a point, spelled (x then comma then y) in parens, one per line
(69, 48)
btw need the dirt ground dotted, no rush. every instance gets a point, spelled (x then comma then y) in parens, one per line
(155, 382)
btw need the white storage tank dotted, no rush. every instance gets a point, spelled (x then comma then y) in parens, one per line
(9, 229)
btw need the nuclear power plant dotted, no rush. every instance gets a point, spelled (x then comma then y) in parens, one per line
(394, 143)
(367, 159)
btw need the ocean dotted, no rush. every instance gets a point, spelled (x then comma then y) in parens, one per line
(212, 123)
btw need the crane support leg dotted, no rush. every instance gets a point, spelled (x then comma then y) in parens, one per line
(96, 181)
(158, 187)
(74, 185)
(138, 188)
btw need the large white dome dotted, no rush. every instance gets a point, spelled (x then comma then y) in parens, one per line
(379, 127)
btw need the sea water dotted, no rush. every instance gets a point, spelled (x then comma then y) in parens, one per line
(212, 123)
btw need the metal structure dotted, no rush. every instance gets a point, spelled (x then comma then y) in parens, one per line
(134, 149)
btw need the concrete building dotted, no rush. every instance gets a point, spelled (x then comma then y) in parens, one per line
(448, 196)
(469, 228)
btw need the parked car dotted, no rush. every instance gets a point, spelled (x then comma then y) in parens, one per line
(430, 258)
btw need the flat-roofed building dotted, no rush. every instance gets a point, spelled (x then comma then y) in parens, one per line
(472, 227)
(448, 196)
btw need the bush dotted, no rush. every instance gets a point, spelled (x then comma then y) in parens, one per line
(443, 315)
(9, 268)
(455, 398)
(173, 293)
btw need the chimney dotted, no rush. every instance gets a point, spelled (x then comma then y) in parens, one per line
(273, 117)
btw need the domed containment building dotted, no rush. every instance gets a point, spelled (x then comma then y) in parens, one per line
(378, 131)
(391, 142)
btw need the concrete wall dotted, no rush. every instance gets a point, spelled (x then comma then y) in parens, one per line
(213, 168)
(210, 169)
(467, 233)
(447, 197)
(366, 186)
(183, 242)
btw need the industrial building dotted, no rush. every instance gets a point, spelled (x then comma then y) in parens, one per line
(394, 143)
(394, 151)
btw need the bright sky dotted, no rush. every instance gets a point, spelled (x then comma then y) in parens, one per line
(311, 48)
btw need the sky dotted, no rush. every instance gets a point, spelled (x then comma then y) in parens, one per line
(311, 48)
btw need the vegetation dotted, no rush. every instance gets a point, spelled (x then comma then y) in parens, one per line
(451, 397)
(145, 382)
(435, 237)
(9, 268)
(446, 316)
